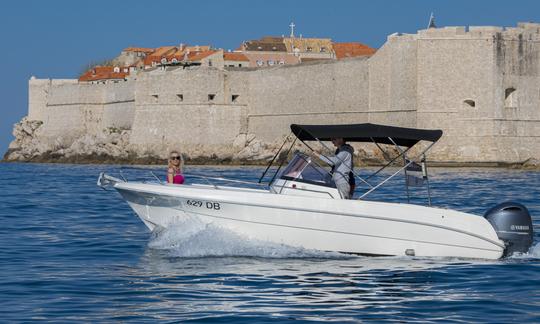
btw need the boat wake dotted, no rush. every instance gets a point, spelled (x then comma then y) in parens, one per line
(533, 253)
(192, 238)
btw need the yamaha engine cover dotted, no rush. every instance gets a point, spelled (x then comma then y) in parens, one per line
(513, 225)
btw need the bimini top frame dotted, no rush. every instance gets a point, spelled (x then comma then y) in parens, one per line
(382, 134)
(400, 137)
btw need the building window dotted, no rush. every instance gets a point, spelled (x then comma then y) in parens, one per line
(239, 64)
(323, 49)
(469, 103)
(211, 97)
(260, 62)
(309, 49)
(209, 62)
(270, 62)
(510, 98)
(155, 97)
(180, 97)
(234, 98)
(281, 62)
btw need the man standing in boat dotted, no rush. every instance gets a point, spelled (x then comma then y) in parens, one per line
(342, 165)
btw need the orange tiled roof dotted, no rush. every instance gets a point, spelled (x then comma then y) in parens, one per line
(197, 48)
(344, 50)
(235, 57)
(195, 53)
(164, 50)
(160, 53)
(102, 73)
(197, 56)
(179, 56)
(150, 58)
(139, 49)
(191, 56)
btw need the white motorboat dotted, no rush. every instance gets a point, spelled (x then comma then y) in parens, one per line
(302, 207)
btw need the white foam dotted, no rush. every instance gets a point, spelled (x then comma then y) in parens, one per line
(192, 238)
(533, 253)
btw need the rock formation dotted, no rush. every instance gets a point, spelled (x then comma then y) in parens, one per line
(112, 146)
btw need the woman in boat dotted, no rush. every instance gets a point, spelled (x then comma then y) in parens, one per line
(174, 172)
(342, 165)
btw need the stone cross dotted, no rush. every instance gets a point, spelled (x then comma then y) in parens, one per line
(292, 25)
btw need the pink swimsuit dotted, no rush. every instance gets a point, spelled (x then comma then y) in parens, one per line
(178, 178)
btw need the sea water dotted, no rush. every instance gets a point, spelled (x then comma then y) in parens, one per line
(72, 252)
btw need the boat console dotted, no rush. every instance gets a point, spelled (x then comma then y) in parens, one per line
(304, 177)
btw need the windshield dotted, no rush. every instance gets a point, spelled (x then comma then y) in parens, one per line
(302, 168)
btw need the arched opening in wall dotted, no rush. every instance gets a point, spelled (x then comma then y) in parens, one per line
(469, 103)
(510, 97)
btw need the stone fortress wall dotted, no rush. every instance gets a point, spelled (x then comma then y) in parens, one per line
(69, 109)
(480, 85)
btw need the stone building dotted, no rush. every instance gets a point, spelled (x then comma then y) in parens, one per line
(232, 59)
(271, 50)
(480, 85)
(307, 49)
(267, 51)
(105, 74)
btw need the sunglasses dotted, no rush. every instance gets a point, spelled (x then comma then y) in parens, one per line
(175, 158)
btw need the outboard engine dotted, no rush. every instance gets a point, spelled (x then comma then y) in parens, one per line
(513, 225)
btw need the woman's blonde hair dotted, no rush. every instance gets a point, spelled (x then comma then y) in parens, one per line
(181, 165)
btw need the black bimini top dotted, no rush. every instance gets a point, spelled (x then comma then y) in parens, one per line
(366, 133)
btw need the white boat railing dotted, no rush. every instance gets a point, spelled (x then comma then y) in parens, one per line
(225, 180)
(209, 180)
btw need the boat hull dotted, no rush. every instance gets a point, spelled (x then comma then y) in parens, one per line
(348, 226)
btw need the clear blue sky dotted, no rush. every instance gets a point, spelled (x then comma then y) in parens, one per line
(56, 39)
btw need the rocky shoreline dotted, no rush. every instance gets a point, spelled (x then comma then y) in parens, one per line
(112, 146)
